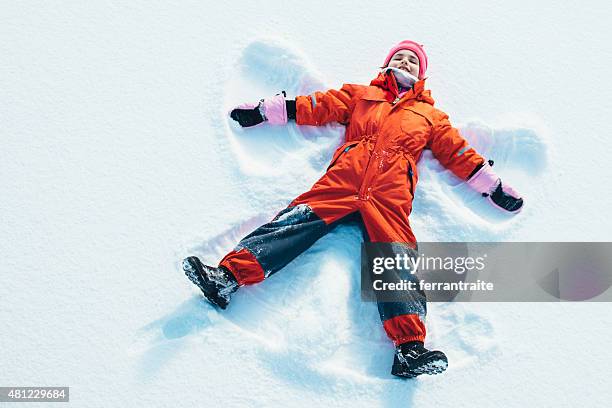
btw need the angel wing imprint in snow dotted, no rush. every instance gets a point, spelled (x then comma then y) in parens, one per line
(273, 164)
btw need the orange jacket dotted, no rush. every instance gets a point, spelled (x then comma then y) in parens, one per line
(385, 137)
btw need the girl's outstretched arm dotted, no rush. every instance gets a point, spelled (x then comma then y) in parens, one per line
(451, 149)
(316, 109)
(454, 152)
(321, 108)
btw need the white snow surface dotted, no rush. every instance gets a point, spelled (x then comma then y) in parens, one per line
(117, 159)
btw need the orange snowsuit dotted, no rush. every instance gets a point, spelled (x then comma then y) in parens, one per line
(373, 173)
(375, 170)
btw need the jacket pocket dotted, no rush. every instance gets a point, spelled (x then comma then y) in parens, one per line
(415, 123)
(424, 115)
(340, 152)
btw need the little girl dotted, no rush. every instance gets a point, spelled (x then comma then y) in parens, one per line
(373, 176)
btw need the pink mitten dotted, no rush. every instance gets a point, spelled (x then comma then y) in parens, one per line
(486, 182)
(273, 110)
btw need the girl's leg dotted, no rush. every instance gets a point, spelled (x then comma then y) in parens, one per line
(273, 245)
(403, 317)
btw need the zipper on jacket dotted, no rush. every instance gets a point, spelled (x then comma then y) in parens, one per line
(410, 179)
(362, 188)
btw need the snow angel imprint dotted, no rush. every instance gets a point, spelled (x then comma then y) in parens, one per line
(372, 176)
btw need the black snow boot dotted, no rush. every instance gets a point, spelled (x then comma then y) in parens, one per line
(412, 359)
(217, 284)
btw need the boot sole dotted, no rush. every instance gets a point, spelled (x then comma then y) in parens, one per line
(195, 273)
(435, 364)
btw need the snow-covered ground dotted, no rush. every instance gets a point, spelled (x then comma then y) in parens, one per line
(117, 159)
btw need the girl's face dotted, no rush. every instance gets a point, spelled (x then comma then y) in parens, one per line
(406, 60)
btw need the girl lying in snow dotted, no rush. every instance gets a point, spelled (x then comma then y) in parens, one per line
(373, 175)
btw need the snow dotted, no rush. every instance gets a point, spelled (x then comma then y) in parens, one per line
(117, 160)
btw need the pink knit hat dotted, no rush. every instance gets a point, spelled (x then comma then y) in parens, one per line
(414, 47)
